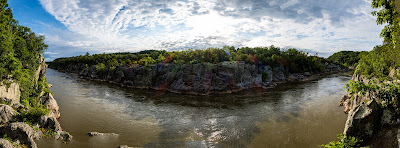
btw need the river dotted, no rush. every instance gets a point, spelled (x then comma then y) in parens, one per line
(291, 115)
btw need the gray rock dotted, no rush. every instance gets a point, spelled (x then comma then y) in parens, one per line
(362, 120)
(389, 117)
(21, 131)
(101, 134)
(51, 105)
(7, 113)
(63, 135)
(5, 143)
(10, 93)
(124, 146)
(49, 122)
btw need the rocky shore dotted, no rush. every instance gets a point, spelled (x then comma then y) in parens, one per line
(370, 118)
(196, 79)
(21, 134)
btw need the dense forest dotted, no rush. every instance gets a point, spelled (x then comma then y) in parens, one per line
(293, 60)
(21, 50)
(347, 58)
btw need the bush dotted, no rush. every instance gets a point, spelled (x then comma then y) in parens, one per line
(344, 142)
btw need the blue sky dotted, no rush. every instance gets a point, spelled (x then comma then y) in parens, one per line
(74, 27)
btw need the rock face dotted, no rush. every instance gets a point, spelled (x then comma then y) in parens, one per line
(362, 120)
(199, 79)
(10, 93)
(7, 113)
(51, 105)
(375, 122)
(5, 143)
(21, 131)
(49, 122)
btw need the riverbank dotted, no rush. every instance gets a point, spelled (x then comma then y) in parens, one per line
(196, 79)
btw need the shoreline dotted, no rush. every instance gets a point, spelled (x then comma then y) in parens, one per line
(295, 77)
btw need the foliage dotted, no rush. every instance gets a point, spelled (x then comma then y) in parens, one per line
(388, 92)
(20, 50)
(48, 132)
(347, 58)
(383, 58)
(12, 142)
(31, 115)
(344, 142)
(292, 59)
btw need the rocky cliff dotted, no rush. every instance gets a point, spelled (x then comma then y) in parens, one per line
(17, 133)
(371, 117)
(198, 79)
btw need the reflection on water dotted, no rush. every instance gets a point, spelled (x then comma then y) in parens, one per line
(293, 115)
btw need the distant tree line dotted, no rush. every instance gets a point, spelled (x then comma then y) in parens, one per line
(293, 60)
(347, 58)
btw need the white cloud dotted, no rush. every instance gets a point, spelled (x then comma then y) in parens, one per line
(127, 25)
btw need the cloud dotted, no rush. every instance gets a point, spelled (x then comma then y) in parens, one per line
(132, 25)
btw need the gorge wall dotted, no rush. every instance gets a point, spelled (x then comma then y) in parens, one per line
(18, 133)
(373, 114)
(198, 79)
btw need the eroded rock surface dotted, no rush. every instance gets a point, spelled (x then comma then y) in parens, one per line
(51, 105)
(5, 143)
(21, 131)
(362, 121)
(7, 113)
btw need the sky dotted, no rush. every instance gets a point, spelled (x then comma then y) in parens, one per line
(74, 27)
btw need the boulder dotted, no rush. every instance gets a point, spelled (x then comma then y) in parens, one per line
(7, 113)
(51, 105)
(362, 120)
(63, 135)
(5, 143)
(49, 122)
(21, 131)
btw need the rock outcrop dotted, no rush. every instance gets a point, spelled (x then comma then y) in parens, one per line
(51, 105)
(21, 131)
(9, 91)
(198, 79)
(370, 118)
(362, 120)
(5, 143)
(7, 113)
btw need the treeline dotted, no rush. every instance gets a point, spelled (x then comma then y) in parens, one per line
(347, 58)
(293, 60)
(20, 50)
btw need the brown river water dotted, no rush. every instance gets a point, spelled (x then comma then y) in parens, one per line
(292, 115)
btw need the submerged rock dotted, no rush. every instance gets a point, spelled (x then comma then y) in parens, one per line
(101, 134)
(21, 131)
(124, 146)
(362, 120)
(7, 113)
